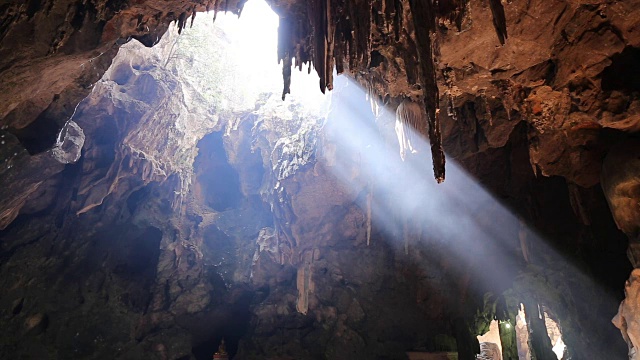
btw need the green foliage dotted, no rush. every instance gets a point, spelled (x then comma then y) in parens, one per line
(484, 315)
(443, 342)
(203, 58)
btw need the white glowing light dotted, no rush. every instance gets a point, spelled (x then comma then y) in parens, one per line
(559, 348)
(508, 326)
(254, 44)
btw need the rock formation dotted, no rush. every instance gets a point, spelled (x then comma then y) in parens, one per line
(627, 319)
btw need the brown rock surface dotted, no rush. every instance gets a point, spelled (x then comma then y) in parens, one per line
(627, 318)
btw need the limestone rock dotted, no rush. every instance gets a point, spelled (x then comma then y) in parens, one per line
(627, 319)
(621, 185)
(489, 351)
(68, 146)
(22, 173)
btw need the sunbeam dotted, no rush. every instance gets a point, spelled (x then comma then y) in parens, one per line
(413, 210)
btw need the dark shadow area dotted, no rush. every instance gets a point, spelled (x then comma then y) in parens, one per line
(623, 74)
(40, 135)
(138, 263)
(376, 59)
(218, 181)
(135, 199)
(230, 322)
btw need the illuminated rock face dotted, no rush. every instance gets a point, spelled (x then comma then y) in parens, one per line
(627, 318)
(621, 185)
(489, 351)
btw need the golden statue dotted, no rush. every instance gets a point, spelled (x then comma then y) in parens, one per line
(222, 351)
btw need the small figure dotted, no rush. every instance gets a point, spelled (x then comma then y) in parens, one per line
(222, 351)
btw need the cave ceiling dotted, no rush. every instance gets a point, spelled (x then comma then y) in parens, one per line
(560, 72)
(549, 75)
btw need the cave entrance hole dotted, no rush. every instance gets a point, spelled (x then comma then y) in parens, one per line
(200, 95)
(236, 60)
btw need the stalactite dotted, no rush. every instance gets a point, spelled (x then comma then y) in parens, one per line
(286, 74)
(499, 19)
(285, 45)
(409, 116)
(371, 96)
(453, 11)
(398, 18)
(215, 10)
(424, 22)
(182, 21)
(327, 32)
(241, 6)
(320, 17)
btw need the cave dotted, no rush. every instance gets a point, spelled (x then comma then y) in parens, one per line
(359, 179)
